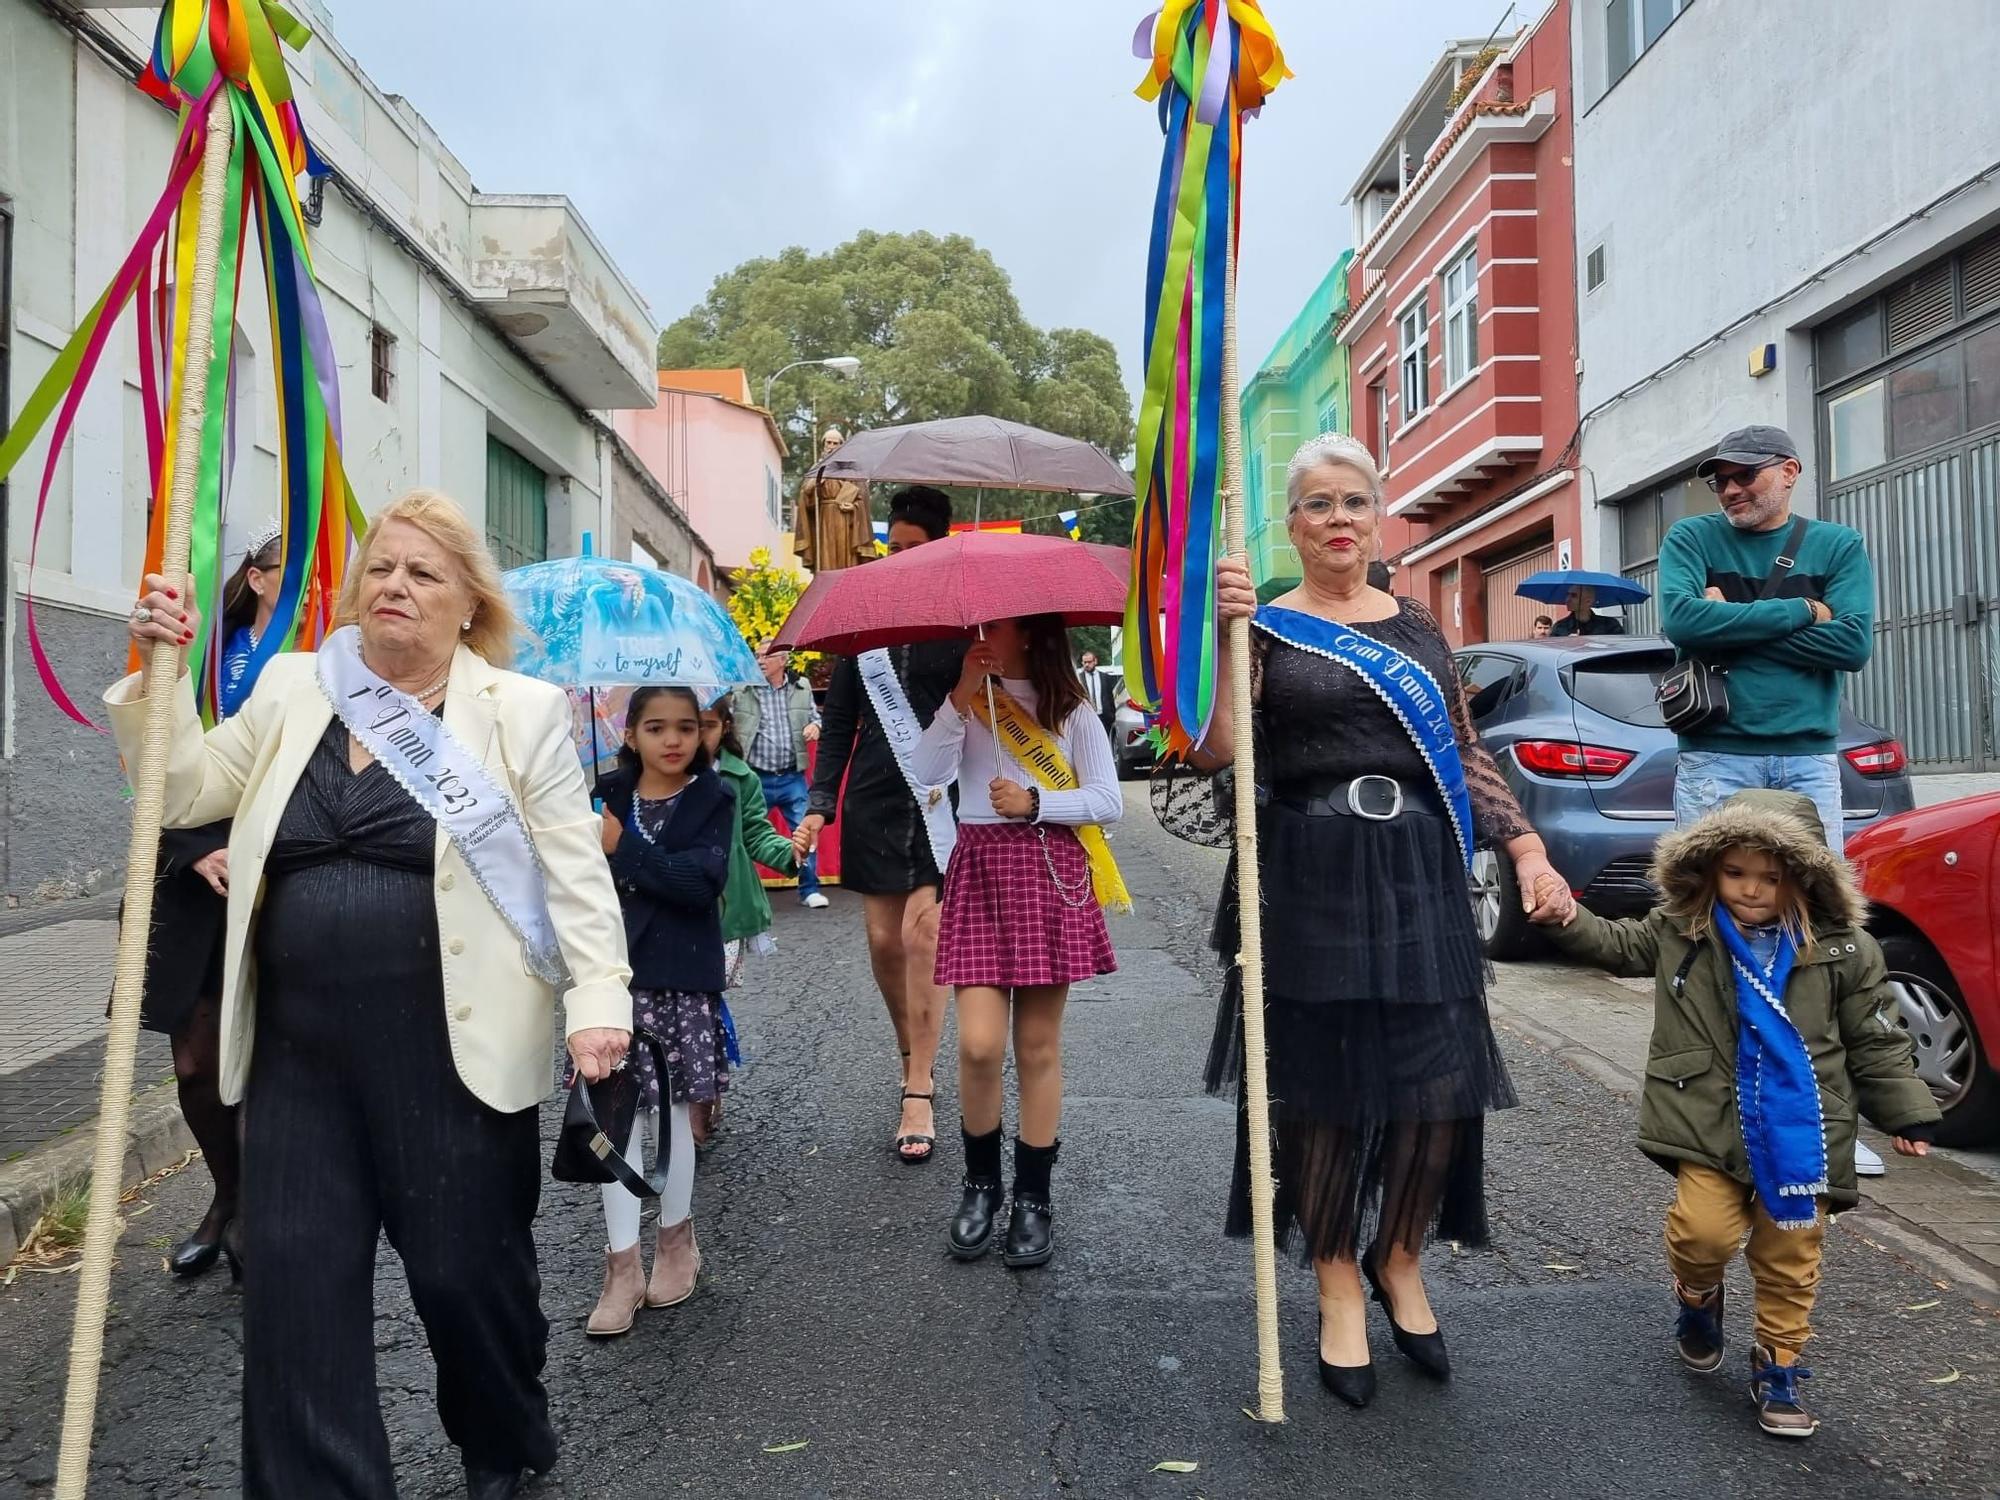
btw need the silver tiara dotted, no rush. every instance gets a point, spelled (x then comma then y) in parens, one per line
(262, 539)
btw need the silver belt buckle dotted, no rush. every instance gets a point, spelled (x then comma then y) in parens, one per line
(1395, 798)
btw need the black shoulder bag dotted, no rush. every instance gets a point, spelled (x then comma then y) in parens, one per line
(598, 1122)
(1693, 695)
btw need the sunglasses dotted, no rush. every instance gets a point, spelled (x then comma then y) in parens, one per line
(1722, 479)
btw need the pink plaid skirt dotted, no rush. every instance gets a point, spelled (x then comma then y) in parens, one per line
(1008, 922)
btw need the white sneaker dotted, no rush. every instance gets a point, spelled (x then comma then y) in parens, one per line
(1867, 1163)
(818, 902)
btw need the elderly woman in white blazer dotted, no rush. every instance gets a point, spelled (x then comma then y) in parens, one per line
(414, 868)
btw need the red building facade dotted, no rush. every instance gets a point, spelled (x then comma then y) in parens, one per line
(1462, 338)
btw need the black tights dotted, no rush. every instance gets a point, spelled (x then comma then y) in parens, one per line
(1336, 1185)
(216, 1126)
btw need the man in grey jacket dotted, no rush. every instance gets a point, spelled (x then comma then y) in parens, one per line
(776, 721)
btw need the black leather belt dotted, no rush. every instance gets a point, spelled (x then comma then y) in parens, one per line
(1377, 799)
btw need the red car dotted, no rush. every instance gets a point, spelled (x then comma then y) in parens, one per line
(1932, 878)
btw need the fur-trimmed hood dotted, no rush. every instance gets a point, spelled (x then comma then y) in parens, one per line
(1785, 824)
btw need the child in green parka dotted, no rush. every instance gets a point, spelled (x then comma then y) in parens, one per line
(746, 911)
(1773, 1031)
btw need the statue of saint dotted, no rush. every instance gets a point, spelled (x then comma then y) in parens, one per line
(833, 528)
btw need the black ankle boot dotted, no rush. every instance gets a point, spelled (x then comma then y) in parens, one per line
(972, 1225)
(1031, 1237)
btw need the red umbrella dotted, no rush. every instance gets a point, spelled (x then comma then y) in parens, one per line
(952, 586)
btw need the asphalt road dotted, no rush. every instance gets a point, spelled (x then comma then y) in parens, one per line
(829, 1314)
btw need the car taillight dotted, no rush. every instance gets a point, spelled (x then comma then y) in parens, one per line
(1568, 758)
(1883, 758)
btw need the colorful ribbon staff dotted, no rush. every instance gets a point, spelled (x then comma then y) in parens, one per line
(202, 48)
(1211, 62)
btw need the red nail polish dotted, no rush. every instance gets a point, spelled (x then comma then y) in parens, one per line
(184, 618)
(173, 593)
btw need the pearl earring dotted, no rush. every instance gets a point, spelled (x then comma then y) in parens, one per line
(465, 625)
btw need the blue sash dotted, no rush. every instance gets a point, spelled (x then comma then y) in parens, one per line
(1411, 693)
(234, 682)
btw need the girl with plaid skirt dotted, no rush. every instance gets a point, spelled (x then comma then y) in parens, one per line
(1022, 918)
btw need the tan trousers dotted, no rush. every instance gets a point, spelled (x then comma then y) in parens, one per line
(1705, 1228)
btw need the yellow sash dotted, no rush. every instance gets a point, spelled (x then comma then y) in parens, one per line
(1043, 759)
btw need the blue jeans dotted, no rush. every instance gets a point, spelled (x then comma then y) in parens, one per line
(788, 793)
(1705, 779)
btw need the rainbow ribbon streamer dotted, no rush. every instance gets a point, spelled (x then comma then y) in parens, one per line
(1213, 61)
(202, 48)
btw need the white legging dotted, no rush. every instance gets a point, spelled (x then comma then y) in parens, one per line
(621, 1205)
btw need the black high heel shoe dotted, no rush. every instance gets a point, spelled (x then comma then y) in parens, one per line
(1354, 1384)
(1424, 1350)
(197, 1254)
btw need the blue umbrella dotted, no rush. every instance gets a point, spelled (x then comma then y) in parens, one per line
(591, 623)
(1553, 586)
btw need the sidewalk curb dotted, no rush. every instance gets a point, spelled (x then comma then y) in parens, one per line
(156, 1136)
(1970, 1264)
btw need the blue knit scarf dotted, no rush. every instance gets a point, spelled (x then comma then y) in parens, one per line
(1777, 1096)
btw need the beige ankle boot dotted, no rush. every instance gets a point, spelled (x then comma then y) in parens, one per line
(624, 1290)
(676, 1263)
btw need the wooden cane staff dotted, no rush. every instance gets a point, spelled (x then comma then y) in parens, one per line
(163, 666)
(1250, 900)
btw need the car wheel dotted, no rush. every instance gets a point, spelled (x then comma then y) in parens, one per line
(1949, 1057)
(1504, 929)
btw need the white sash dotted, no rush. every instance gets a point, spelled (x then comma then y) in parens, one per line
(901, 729)
(449, 783)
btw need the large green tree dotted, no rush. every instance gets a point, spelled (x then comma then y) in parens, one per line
(938, 331)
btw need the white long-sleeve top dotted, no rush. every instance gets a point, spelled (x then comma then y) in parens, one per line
(962, 747)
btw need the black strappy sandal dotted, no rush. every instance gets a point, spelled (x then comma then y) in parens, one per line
(928, 1142)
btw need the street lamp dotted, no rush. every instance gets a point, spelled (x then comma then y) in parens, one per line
(840, 364)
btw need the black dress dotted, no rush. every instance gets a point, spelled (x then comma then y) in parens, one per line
(1382, 1060)
(357, 1122)
(884, 850)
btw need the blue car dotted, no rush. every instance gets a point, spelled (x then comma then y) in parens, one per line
(1577, 734)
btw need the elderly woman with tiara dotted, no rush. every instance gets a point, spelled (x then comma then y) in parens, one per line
(1373, 793)
(190, 909)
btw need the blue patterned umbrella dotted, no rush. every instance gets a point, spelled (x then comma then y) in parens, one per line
(591, 622)
(600, 627)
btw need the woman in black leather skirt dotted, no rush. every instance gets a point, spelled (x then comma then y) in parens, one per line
(184, 947)
(1382, 1061)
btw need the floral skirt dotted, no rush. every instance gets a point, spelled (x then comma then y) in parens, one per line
(694, 1031)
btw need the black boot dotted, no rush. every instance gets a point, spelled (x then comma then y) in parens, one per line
(972, 1225)
(1031, 1237)
(491, 1484)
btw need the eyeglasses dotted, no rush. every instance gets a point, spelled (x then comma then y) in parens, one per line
(1722, 479)
(1319, 509)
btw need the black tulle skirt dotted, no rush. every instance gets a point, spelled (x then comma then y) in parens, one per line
(1382, 1061)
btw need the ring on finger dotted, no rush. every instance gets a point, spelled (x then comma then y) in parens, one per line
(141, 615)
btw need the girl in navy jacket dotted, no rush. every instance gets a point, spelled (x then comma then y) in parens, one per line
(668, 823)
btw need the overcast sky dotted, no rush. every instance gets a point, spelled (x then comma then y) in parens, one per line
(695, 136)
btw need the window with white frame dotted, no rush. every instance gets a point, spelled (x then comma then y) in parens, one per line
(1413, 341)
(1461, 317)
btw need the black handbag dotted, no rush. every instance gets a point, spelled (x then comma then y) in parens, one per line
(1694, 695)
(597, 1122)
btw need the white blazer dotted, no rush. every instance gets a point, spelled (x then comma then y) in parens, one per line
(499, 1016)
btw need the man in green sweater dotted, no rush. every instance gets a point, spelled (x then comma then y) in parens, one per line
(1783, 654)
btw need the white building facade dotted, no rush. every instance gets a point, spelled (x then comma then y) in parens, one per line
(1786, 214)
(482, 341)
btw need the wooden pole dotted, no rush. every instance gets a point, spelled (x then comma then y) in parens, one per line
(163, 666)
(1249, 895)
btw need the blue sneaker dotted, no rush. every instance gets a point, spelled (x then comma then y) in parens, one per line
(1774, 1386)
(1698, 1330)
